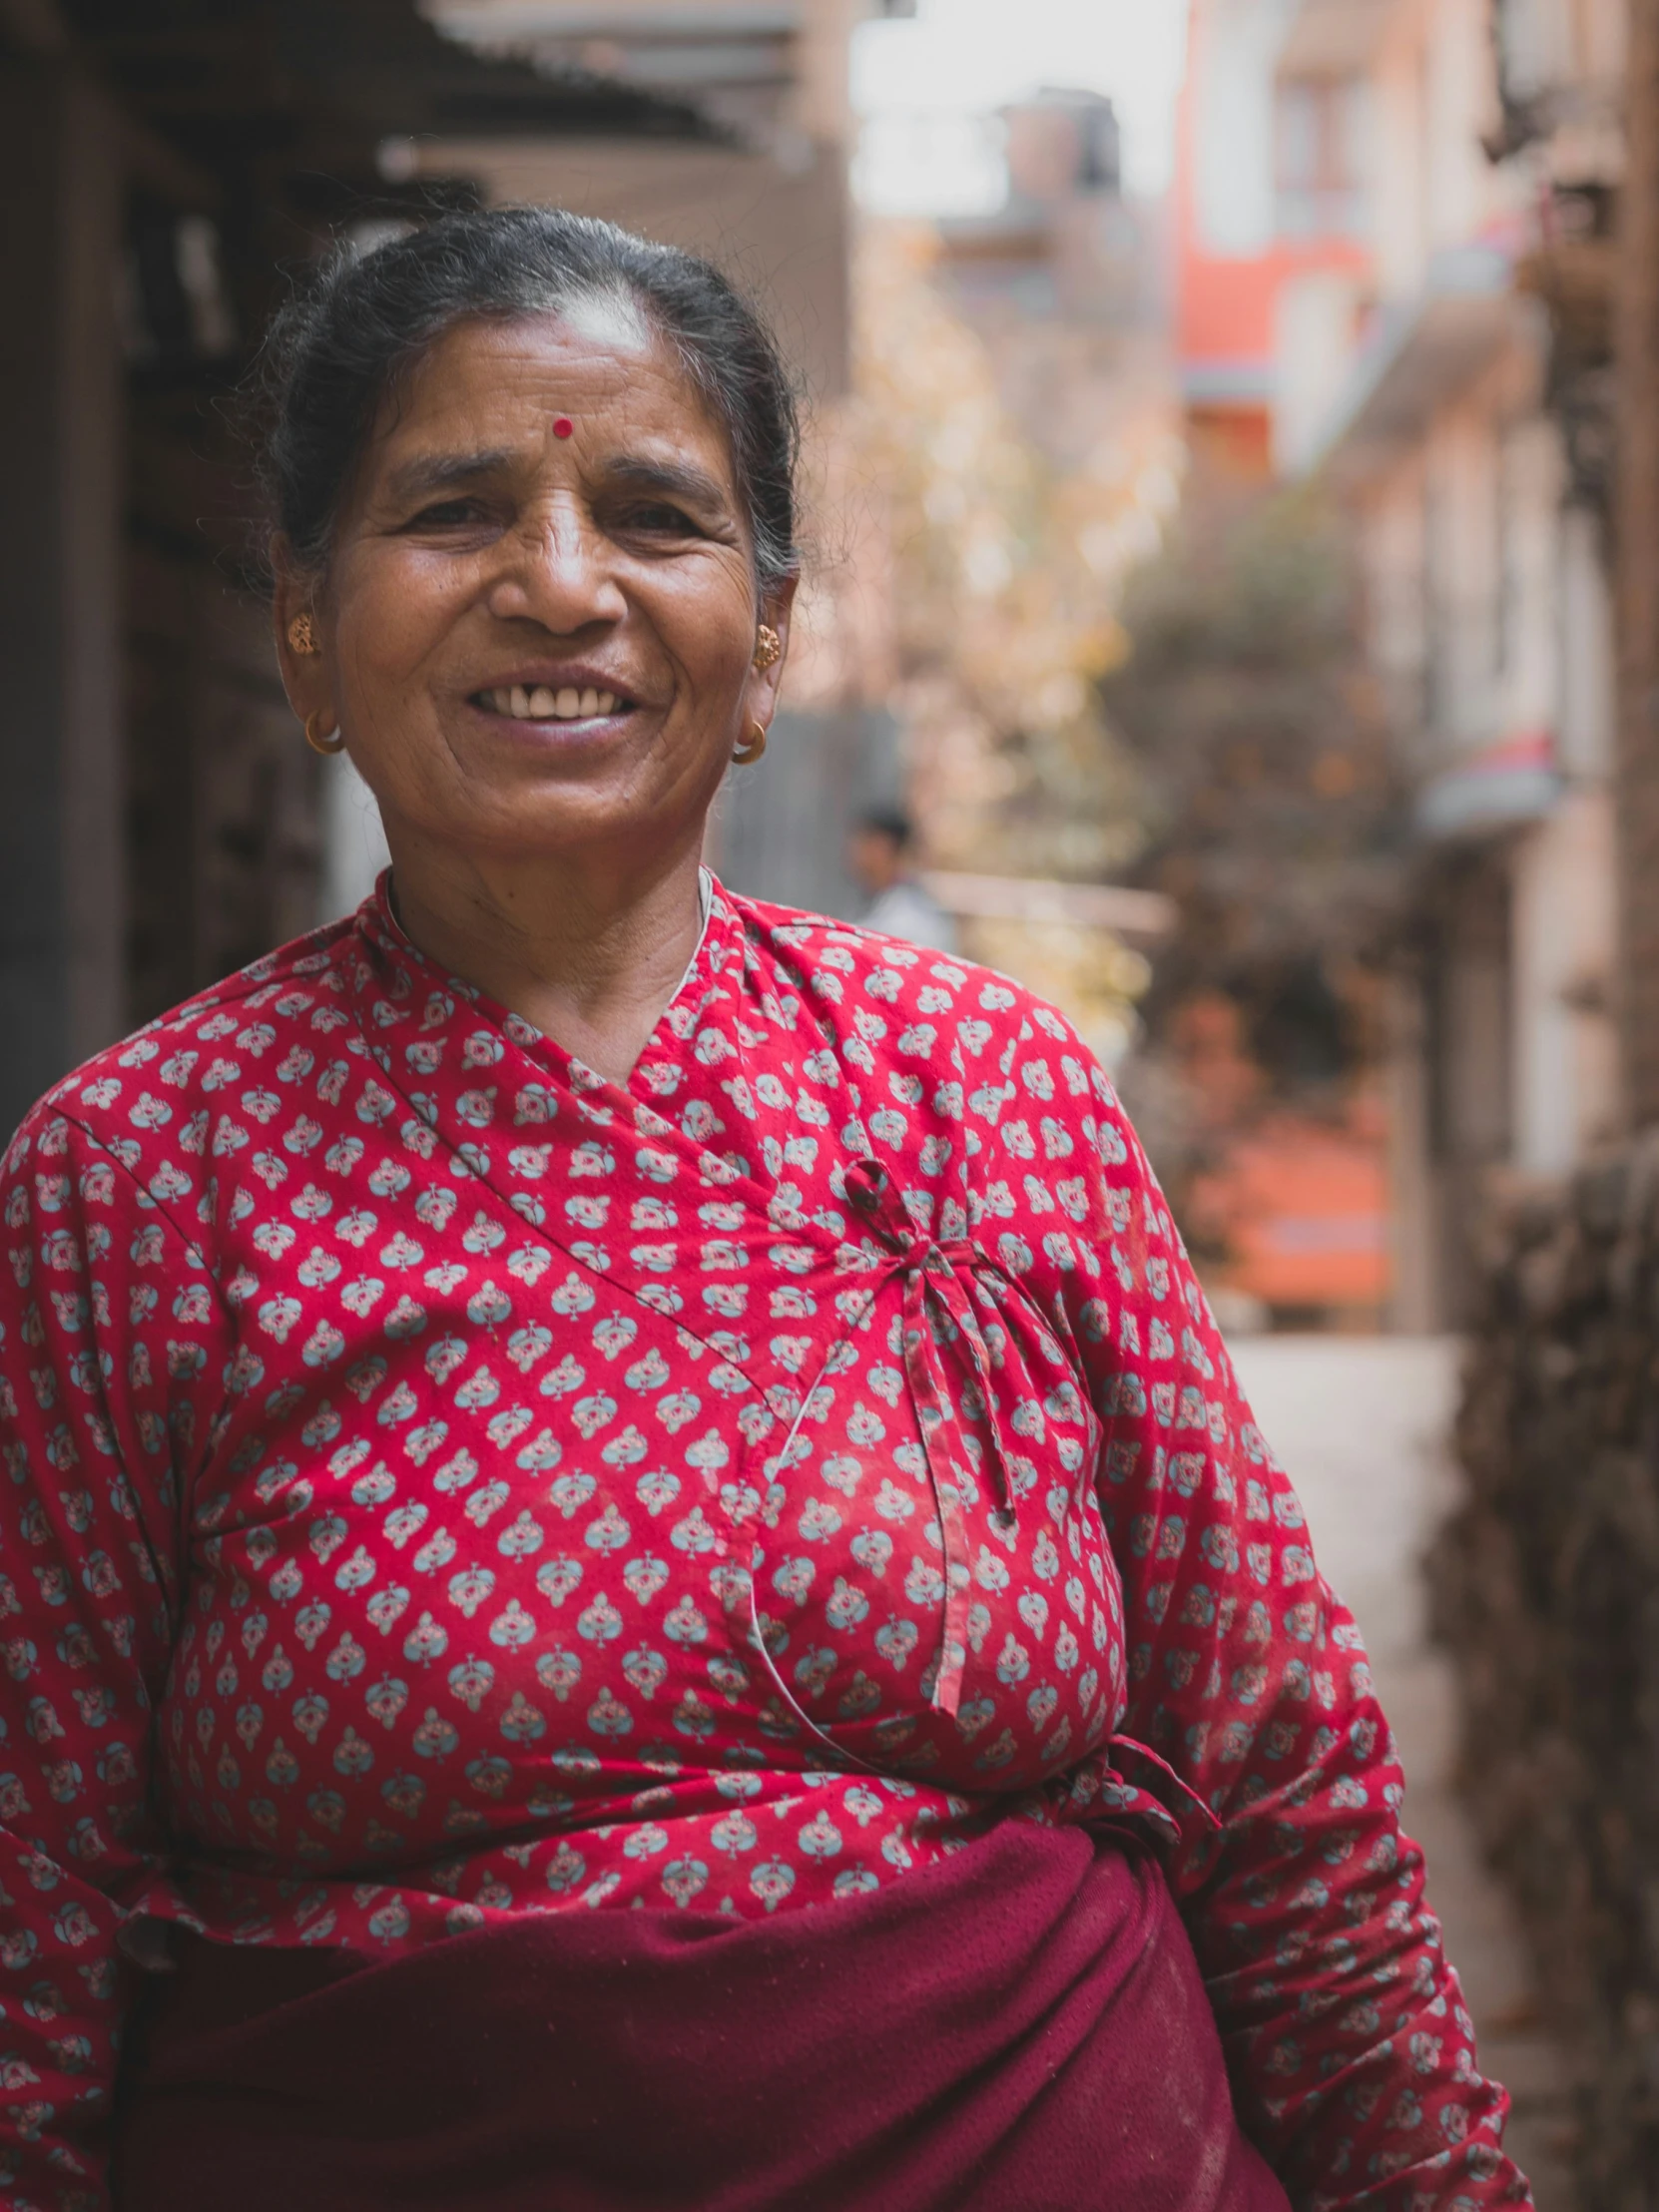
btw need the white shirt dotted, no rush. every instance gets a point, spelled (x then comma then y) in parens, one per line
(905, 909)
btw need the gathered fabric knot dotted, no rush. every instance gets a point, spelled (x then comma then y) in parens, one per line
(939, 1313)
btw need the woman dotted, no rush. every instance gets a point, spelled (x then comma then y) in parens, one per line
(636, 1574)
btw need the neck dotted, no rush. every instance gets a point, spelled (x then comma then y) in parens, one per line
(589, 953)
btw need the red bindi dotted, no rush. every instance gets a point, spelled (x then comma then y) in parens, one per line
(563, 428)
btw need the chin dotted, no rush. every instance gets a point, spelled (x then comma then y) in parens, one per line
(542, 826)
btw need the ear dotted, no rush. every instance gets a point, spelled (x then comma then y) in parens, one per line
(305, 676)
(777, 606)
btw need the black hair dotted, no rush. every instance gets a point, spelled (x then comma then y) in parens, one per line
(356, 322)
(890, 821)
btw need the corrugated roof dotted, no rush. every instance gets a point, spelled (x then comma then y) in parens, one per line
(298, 82)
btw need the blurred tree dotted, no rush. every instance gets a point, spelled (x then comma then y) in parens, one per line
(1003, 579)
(1272, 808)
(1274, 815)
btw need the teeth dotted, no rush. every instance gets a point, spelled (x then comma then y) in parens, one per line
(544, 704)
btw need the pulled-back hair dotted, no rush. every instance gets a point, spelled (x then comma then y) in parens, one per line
(357, 321)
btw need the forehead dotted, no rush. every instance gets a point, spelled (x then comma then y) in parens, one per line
(498, 384)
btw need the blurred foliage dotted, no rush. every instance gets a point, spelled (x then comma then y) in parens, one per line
(1273, 808)
(1088, 972)
(1005, 577)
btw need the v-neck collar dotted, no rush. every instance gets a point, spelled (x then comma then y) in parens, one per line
(719, 945)
(683, 1089)
(467, 1067)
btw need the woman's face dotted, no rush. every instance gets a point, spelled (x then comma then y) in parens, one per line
(539, 619)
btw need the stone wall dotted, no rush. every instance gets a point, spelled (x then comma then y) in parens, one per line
(1546, 1588)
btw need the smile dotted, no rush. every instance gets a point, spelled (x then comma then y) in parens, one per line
(544, 704)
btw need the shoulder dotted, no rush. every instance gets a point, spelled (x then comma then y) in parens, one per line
(137, 1100)
(847, 966)
(840, 961)
(843, 963)
(1003, 1061)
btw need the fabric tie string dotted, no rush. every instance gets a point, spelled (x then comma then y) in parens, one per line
(938, 1310)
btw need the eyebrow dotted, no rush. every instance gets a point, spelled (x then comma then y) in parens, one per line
(439, 472)
(432, 472)
(674, 479)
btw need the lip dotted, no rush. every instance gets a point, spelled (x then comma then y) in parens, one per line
(557, 675)
(550, 732)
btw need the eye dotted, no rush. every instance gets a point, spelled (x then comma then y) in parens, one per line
(658, 518)
(446, 514)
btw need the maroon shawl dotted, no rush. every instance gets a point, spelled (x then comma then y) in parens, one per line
(1021, 2028)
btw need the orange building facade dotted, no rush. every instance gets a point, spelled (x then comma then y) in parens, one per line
(1267, 216)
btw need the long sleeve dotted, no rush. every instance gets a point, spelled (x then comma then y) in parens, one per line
(1346, 2030)
(109, 1333)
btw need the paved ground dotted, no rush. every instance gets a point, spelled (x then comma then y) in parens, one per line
(1360, 1423)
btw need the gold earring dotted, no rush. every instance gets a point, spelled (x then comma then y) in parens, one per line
(744, 754)
(768, 647)
(318, 740)
(301, 637)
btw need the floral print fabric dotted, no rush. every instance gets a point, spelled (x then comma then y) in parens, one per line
(445, 1485)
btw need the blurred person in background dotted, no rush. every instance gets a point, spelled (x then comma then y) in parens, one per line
(636, 1574)
(879, 856)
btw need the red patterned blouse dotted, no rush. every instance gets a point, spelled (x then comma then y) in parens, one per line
(446, 1486)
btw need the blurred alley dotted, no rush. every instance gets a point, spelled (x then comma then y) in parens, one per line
(1364, 1422)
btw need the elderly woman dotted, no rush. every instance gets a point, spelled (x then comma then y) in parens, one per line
(635, 1575)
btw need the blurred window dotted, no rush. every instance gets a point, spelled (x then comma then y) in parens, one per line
(1098, 159)
(174, 307)
(1437, 610)
(1508, 562)
(1317, 158)
(1549, 44)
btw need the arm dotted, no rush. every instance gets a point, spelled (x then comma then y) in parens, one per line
(108, 1327)
(1349, 2045)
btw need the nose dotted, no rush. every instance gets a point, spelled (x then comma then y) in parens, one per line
(556, 571)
